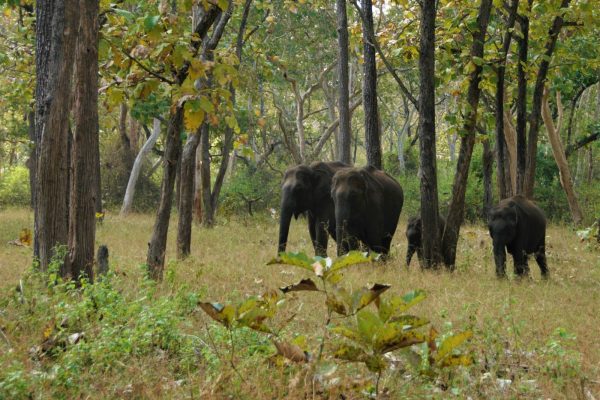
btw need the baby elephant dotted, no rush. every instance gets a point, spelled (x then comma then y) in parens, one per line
(413, 237)
(519, 226)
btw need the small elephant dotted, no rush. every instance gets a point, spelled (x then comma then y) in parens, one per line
(367, 207)
(519, 226)
(413, 237)
(306, 189)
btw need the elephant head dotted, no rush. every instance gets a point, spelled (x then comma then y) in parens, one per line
(502, 225)
(297, 190)
(349, 193)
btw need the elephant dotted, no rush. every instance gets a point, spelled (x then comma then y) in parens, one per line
(519, 226)
(306, 189)
(413, 237)
(368, 203)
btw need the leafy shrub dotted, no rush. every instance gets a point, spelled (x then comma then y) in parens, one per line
(250, 188)
(14, 187)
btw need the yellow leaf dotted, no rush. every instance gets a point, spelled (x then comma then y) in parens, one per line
(193, 115)
(25, 237)
(450, 344)
(261, 122)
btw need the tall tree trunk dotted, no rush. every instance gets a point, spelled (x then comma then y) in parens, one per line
(207, 212)
(503, 181)
(510, 139)
(32, 161)
(488, 165)
(56, 28)
(158, 242)
(559, 154)
(82, 215)
(372, 132)
(186, 199)
(457, 202)
(427, 151)
(343, 151)
(522, 101)
(536, 107)
(137, 166)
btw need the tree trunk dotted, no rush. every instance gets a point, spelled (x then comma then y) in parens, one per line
(137, 166)
(56, 28)
(522, 102)
(186, 199)
(343, 151)
(32, 161)
(559, 154)
(503, 181)
(510, 139)
(82, 215)
(158, 243)
(536, 108)
(457, 202)
(372, 132)
(427, 151)
(488, 165)
(207, 211)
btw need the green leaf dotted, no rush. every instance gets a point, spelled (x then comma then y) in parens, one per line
(296, 259)
(352, 258)
(338, 300)
(206, 104)
(409, 321)
(223, 4)
(150, 22)
(124, 13)
(347, 332)
(369, 325)
(303, 285)
(451, 343)
(349, 353)
(392, 337)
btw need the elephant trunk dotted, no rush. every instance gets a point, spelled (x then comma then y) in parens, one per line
(284, 225)
(500, 259)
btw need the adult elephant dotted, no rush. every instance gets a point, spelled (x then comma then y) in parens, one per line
(306, 189)
(519, 226)
(367, 207)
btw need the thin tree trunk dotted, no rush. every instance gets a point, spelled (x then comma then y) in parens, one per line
(82, 215)
(427, 148)
(488, 166)
(522, 102)
(372, 130)
(158, 242)
(344, 132)
(56, 27)
(137, 166)
(536, 108)
(186, 199)
(503, 181)
(510, 138)
(457, 202)
(559, 154)
(32, 161)
(207, 212)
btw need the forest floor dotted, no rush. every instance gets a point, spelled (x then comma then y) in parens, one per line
(531, 338)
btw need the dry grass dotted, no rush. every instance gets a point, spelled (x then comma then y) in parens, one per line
(513, 321)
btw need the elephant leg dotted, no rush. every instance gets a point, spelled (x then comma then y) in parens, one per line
(312, 229)
(420, 256)
(409, 253)
(520, 259)
(387, 244)
(320, 241)
(540, 258)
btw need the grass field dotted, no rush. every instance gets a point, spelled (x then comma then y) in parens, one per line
(532, 338)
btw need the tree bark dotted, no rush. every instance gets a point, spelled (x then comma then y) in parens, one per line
(186, 198)
(158, 242)
(137, 166)
(534, 120)
(432, 255)
(344, 139)
(56, 28)
(457, 202)
(372, 131)
(510, 138)
(522, 102)
(559, 154)
(207, 212)
(82, 215)
(488, 165)
(503, 181)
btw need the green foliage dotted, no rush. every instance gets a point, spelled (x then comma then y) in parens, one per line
(253, 186)
(14, 187)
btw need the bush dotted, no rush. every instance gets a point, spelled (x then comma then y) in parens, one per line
(14, 187)
(250, 187)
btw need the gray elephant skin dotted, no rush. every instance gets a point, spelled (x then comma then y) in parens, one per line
(518, 225)
(306, 189)
(414, 237)
(368, 203)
